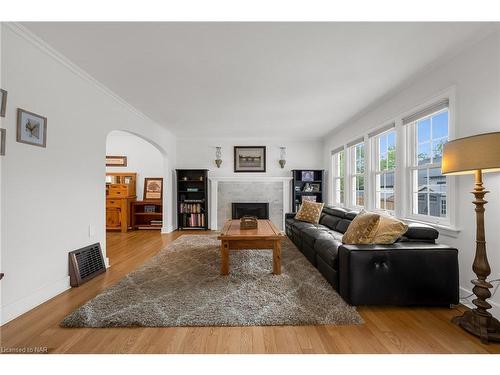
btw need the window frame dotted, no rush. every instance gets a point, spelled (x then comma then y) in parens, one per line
(353, 174)
(375, 171)
(412, 167)
(405, 146)
(336, 176)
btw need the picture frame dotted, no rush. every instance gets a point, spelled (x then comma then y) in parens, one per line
(3, 102)
(31, 128)
(315, 187)
(153, 188)
(307, 175)
(3, 136)
(116, 161)
(149, 208)
(249, 159)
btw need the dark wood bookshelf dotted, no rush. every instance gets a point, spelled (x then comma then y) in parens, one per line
(192, 199)
(301, 182)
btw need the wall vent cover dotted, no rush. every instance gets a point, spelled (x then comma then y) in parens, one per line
(85, 264)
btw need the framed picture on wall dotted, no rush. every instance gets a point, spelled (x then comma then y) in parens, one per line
(153, 188)
(31, 128)
(249, 159)
(3, 102)
(116, 161)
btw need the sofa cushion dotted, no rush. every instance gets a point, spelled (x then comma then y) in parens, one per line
(362, 229)
(389, 230)
(302, 225)
(342, 225)
(350, 215)
(309, 211)
(420, 232)
(335, 211)
(310, 235)
(330, 221)
(327, 249)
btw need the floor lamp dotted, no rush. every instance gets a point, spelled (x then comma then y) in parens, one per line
(476, 155)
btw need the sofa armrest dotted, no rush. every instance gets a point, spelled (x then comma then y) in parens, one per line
(290, 215)
(405, 273)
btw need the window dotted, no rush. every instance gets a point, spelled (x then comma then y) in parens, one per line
(385, 170)
(338, 159)
(429, 186)
(357, 166)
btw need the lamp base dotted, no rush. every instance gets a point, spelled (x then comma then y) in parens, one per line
(487, 328)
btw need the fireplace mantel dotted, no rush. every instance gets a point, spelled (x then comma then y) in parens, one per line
(214, 181)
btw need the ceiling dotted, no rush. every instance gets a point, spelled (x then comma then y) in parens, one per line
(291, 80)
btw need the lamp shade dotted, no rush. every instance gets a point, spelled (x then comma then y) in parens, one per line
(467, 155)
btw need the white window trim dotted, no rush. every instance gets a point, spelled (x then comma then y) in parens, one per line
(351, 175)
(409, 130)
(402, 189)
(335, 177)
(375, 171)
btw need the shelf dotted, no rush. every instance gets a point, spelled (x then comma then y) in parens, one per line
(191, 180)
(315, 181)
(148, 213)
(185, 191)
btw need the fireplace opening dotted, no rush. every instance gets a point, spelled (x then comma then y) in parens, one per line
(260, 210)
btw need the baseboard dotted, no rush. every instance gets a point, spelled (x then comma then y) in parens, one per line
(167, 229)
(495, 307)
(19, 307)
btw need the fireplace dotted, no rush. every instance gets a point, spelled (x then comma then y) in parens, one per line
(261, 210)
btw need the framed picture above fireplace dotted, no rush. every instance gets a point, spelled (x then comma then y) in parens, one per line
(249, 159)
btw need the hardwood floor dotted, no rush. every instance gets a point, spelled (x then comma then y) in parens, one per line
(386, 329)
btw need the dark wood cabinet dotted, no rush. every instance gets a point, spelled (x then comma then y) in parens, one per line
(192, 198)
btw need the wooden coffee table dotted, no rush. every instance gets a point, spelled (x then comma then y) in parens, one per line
(266, 236)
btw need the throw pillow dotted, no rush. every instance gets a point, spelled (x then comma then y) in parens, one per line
(362, 229)
(389, 230)
(309, 212)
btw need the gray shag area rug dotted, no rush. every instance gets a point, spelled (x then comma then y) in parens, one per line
(182, 286)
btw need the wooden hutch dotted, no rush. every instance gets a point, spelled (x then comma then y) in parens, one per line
(120, 192)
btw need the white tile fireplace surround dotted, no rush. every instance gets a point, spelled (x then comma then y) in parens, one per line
(249, 189)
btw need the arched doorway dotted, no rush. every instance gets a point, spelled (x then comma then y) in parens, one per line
(145, 161)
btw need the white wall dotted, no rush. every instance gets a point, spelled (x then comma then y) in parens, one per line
(200, 153)
(50, 196)
(475, 73)
(142, 157)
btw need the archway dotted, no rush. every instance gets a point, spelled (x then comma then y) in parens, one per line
(144, 159)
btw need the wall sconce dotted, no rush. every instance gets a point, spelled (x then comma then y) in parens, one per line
(282, 157)
(218, 156)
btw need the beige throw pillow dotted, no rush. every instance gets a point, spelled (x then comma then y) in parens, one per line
(362, 229)
(309, 212)
(389, 230)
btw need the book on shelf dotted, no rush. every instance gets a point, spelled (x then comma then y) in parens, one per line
(193, 220)
(190, 208)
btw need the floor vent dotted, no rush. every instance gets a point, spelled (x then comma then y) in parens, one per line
(85, 264)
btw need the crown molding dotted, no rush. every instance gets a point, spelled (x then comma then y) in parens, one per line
(43, 46)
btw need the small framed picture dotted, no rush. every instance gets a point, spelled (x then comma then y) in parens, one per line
(149, 208)
(153, 188)
(307, 175)
(315, 187)
(249, 159)
(3, 102)
(31, 128)
(116, 161)
(307, 187)
(3, 134)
